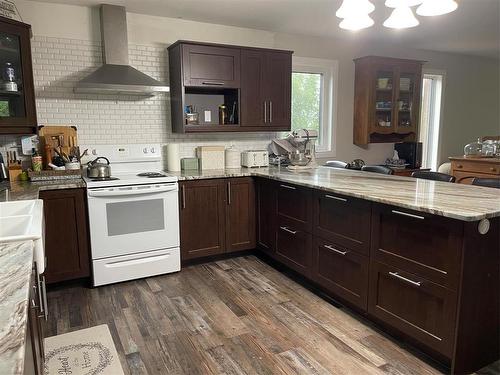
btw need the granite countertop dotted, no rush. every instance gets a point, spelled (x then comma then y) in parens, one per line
(457, 201)
(16, 262)
(21, 190)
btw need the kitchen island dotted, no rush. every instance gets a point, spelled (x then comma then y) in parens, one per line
(369, 241)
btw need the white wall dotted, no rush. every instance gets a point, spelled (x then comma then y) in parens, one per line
(471, 107)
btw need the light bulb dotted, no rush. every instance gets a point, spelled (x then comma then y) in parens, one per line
(402, 3)
(357, 23)
(401, 18)
(354, 8)
(436, 7)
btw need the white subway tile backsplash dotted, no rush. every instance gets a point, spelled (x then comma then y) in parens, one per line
(112, 119)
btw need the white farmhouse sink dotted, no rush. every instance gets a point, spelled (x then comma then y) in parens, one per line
(23, 221)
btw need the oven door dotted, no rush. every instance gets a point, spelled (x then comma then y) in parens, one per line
(132, 219)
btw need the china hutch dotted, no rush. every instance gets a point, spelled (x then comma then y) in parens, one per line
(386, 99)
(17, 94)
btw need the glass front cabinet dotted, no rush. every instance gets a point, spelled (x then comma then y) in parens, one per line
(17, 97)
(387, 100)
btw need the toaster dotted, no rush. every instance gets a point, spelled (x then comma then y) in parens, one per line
(254, 158)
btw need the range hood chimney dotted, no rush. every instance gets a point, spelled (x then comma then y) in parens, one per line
(116, 76)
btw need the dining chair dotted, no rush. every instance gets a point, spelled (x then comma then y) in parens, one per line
(377, 169)
(434, 176)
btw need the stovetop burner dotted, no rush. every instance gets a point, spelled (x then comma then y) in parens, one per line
(103, 178)
(151, 174)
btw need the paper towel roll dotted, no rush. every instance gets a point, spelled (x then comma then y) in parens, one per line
(173, 157)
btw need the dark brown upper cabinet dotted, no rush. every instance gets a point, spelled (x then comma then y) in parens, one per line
(209, 66)
(386, 99)
(17, 94)
(266, 89)
(253, 84)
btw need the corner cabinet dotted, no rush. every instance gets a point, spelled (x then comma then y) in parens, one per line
(386, 99)
(17, 94)
(252, 84)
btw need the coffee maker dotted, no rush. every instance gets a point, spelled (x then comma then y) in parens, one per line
(411, 152)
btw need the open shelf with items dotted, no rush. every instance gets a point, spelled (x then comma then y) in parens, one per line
(387, 100)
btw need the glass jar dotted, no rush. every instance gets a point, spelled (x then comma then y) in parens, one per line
(473, 149)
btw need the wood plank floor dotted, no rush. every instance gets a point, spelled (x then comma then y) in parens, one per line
(237, 316)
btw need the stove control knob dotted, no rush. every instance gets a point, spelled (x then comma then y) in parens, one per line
(153, 150)
(144, 150)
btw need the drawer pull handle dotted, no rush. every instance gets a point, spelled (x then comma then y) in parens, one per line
(407, 214)
(335, 250)
(460, 166)
(398, 276)
(288, 187)
(493, 169)
(212, 83)
(288, 230)
(336, 198)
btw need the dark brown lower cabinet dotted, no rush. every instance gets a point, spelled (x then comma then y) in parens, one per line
(202, 218)
(240, 214)
(66, 235)
(293, 247)
(341, 271)
(429, 279)
(414, 306)
(216, 216)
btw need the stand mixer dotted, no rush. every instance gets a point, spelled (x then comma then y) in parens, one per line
(299, 149)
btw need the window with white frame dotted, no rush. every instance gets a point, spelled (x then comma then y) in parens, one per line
(314, 100)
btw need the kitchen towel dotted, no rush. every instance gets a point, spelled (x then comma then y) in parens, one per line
(88, 351)
(173, 157)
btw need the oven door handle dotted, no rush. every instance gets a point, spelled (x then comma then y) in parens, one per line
(122, 191)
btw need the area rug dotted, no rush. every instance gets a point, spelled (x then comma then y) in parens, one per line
(88, 351)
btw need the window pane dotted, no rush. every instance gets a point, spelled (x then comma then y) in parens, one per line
(306, 101)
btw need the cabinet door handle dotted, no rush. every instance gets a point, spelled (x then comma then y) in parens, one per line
(335, 250)
(229, 193)
(408, 215)
(288, 230)
(270, 111)
(398, 276)
(212, 83)
(265, 112)
(336, 198)
(288, 187)
(183, 196)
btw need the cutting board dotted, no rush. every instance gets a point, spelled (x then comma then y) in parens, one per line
(64, 137)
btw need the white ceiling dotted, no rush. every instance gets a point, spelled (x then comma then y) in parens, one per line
(472, 29)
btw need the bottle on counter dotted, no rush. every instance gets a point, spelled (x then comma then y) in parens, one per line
(36, 161)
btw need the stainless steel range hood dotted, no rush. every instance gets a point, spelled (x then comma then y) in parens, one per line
(116, 76)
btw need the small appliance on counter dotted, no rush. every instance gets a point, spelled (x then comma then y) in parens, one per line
(411, 152)
(254, 159)
(299, 148)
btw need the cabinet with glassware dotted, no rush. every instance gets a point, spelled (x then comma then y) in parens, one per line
(386, 99)
(223, 88)
(17, 97)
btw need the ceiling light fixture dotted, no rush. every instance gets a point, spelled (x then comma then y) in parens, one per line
(401, 18)
(357, 23)
(436, 7)
(355, 8)
(402, 3)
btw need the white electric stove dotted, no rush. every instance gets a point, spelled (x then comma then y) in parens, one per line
(133, 216)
